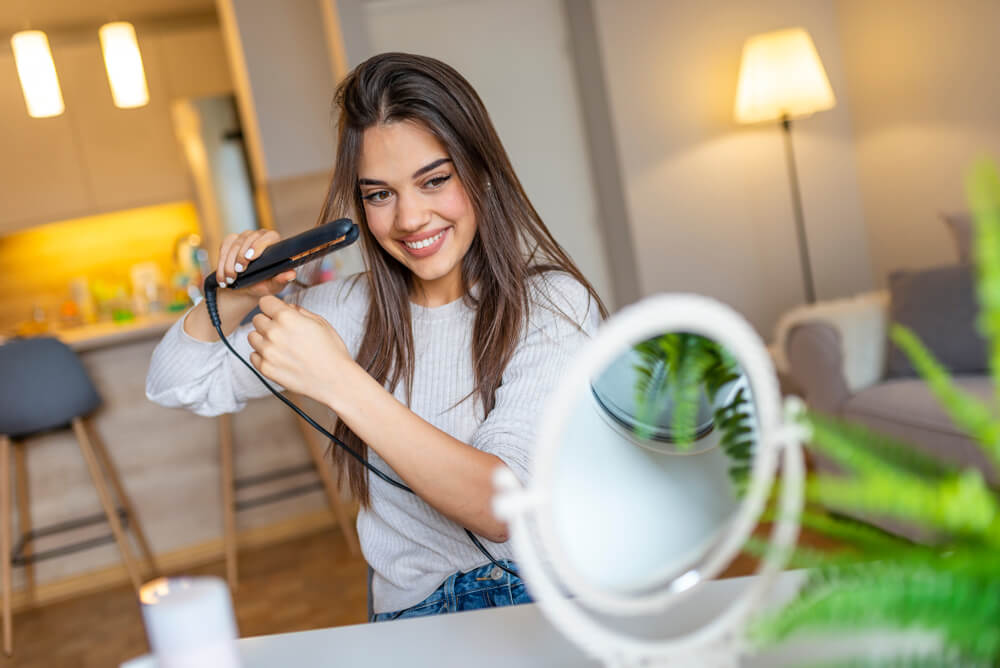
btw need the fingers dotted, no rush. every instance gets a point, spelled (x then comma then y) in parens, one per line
(271, 306)
(262, 324)
(266, 358)
(225, 250)
(253, 245)
(237, 250)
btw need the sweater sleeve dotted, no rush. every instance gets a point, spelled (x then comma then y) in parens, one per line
(203, 377)
(562, 318)
(206, 378)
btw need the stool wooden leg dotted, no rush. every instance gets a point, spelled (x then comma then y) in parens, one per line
(228, 498)
(329, 485)
(24, 515)
(105, 459)
(8, 629)
(105, 497)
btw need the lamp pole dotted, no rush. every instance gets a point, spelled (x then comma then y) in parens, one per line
(800, 225)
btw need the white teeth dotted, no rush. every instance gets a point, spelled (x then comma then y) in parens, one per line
(417, 245)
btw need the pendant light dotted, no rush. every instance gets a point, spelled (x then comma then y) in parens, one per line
(124, 64)
(37, 72)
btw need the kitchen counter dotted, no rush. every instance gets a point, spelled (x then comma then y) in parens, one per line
(104, 334)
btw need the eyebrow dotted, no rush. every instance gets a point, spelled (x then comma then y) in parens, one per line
(417, 174)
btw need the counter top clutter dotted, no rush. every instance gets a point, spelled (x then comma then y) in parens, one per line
(102, 334)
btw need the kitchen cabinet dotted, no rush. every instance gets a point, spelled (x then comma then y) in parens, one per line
(96, 157)
(41, 175)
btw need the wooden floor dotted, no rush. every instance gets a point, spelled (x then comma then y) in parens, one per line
(307, 583)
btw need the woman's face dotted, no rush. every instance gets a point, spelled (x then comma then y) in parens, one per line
(416, 206)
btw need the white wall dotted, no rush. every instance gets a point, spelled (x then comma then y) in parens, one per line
(515, 55)
(709, 200)
(284, 84)
(923, 82)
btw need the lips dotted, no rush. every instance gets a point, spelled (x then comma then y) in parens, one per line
(427, 245)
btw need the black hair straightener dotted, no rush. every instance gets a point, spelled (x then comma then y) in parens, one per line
(293, 252)
(282, 256)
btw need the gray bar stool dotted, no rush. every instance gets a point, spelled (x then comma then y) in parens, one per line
(43, 386)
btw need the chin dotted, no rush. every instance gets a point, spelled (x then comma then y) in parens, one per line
(430, 274)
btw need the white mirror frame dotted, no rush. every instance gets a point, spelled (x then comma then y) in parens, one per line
(527, 510)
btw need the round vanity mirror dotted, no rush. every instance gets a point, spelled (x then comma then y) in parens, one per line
(655, 458)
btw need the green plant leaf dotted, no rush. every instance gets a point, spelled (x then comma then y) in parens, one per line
(883, 595)
(965, 409)
(861, 450)
(961, 504)
(983, 191)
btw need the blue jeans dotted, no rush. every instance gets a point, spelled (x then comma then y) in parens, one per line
(484, 587)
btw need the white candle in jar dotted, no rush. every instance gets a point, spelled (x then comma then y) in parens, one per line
(190, 622)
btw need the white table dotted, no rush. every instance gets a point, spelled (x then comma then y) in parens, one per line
(495, 638)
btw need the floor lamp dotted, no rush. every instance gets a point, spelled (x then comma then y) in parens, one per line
(781, 78)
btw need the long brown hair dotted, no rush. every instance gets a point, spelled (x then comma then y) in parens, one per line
(511, 242)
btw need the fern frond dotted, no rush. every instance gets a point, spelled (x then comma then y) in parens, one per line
(652, 392)
(687, 381)
(965, 409)
(983, 191)
(800, 556)
(909, 661)
(962, 610)
(738, 442)
(961, 504)
(866, 539)
(860, 449)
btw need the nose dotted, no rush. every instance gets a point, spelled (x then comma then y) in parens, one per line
(412, 213)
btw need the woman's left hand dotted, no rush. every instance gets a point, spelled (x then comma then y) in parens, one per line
(298, 349)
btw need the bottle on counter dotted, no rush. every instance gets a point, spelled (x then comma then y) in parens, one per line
(147, 288)
(79, 290)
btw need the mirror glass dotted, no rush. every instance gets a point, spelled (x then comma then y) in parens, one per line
(653, 463)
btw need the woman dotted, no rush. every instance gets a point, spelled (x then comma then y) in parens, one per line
(436, 359)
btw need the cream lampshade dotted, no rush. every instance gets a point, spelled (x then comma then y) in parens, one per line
(781, 78)
(781, 75)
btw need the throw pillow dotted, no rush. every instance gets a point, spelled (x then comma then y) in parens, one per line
(960, 225)
(939, 305)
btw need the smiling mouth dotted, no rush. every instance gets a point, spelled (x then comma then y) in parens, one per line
(424, 243)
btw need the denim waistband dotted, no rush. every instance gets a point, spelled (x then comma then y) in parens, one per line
(483, 587)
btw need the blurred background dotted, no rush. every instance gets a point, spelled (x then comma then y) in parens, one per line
(620, 117)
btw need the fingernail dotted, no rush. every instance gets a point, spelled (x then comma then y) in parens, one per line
(248, 254)
(229, 281)
(238, 267)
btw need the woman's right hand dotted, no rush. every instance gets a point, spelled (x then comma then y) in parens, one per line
(235, 254)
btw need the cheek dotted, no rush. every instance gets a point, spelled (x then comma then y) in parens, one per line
(379, 221)
(454, 205)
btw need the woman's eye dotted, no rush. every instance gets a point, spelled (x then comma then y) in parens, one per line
(437, 181)
(377, 196)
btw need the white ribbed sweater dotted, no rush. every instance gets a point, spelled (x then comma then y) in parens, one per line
(411, 547)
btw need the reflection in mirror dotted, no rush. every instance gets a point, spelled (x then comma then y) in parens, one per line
(653, 463)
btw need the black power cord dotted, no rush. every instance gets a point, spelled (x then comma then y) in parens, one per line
(210, 288)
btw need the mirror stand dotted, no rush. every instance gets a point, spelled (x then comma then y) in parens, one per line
(582, 611)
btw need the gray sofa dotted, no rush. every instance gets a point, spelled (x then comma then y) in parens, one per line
(821, 348)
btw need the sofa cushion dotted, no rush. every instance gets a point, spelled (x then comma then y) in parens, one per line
(907, 410)
(939, 305)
